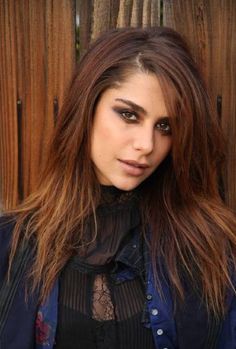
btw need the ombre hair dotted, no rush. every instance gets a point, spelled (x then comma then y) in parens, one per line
(191, 230)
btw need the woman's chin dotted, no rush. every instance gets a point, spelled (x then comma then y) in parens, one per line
(126, 185)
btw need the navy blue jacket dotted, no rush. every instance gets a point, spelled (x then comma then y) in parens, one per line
(31, 325)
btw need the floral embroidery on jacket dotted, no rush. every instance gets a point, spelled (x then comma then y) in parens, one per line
(42, 330)
(46, 321)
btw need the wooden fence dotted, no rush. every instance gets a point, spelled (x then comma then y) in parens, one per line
(38, 40)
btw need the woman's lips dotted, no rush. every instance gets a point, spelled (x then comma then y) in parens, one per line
(133, 168)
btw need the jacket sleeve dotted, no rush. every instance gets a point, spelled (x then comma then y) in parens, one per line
(6, 229)
(18, 331)
(227, 338)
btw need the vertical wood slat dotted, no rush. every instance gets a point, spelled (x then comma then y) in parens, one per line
(155, 12)
(136, 15)
(105, 13)
(210, 27)
(8, 113)
(84, 10)
(98, 16)
(36, 61)
(228, 88)
(147, 4)
(124, 16)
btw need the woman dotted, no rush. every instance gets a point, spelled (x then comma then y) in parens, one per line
(126, 243)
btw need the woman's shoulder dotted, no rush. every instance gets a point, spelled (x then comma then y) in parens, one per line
(7, 224)
(7, 220)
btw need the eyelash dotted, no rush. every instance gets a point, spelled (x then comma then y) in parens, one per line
(162, 126)
(166, 129)
(125, 115)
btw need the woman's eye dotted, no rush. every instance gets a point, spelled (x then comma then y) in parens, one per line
(127, 115)
(164, 127)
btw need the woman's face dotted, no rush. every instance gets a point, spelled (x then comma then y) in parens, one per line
(131, 133)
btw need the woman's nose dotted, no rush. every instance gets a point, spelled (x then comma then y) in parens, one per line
(144, 140)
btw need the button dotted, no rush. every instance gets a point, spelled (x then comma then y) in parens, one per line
(154, 312)
(159, 332)
(134, 246)
(149, 297)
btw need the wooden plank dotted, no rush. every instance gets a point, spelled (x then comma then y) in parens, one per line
(124, 16)
(38, 54)
(84, 9)
(137, 13)
(227, 48)
(210, 29)
(155, 12)
(104, 16)
(8, 112)
(146, 13)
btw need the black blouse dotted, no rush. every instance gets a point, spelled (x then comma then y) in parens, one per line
(96, 309)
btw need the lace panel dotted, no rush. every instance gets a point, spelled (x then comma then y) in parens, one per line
(102, 306)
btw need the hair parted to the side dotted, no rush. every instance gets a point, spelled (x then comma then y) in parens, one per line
(191, 229)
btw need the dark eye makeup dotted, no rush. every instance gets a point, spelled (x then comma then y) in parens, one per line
(131, 116)
(127, 115)
(164, 126)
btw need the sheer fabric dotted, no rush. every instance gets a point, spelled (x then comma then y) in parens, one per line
(96, 310)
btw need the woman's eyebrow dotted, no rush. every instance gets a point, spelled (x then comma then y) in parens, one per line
(140, 109)
(133, 105)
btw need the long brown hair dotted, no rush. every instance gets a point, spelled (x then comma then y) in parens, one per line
(191, 229)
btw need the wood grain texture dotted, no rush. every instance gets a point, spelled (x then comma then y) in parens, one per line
(36, 61)
(155, 13)
(124, 16)
(137, 13)
(101, 17)
(146, 21)
(98, 16)
(8, 109)
(84, 10)
(210, 29)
